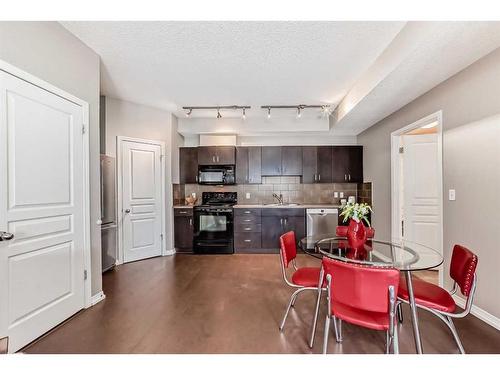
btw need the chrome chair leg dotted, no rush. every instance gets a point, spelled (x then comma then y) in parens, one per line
(288, 308)
(338, 327)
(399, 312)
(315, 319)
(293, 300)
(325, 335)
(395, 341)
(387, 342)
(455, 334)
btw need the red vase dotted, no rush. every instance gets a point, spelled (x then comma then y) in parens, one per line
(356, 234)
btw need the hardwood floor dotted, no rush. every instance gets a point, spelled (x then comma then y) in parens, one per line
(227, 304)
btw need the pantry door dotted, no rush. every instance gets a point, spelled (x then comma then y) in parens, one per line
(43, 210)
(141, 190)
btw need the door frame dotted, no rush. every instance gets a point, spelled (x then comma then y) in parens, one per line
(119, 178)
(25, 76)
(395, 176)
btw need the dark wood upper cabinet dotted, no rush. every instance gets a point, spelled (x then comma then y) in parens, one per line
(248, 165)
(309, 164)
(347, 164)
(216, 155)
(291, 161)
(188, 165)
(325, 160)
(271, 161)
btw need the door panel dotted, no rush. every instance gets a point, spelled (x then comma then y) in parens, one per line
(309, 164)
(141, 200)
(188, 160)
(242, 165)
(225, 155)
(340, 163)
(355, 169)
(254, 165)
(42, 204)
(421, 205)
(324, 163)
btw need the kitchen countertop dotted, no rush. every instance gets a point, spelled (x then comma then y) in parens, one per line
(302, 205)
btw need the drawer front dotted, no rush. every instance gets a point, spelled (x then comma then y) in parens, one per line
(247, 211)
(247, 241)
(244, 228)
(283, 212)
(183, 212)
(247, 219)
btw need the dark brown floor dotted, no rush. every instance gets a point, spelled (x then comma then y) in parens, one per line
(226, 304)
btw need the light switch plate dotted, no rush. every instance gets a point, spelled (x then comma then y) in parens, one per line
(335, 194)
(451, 195)
(341, 194)
(247, 195)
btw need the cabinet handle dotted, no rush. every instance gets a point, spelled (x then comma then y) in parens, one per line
(247, 220)
(248, 228)
(281, 223)
(247, 240)
(191, 222)
(315, 177)
(345, 177)
(213, 159)
(319, 176)
(247, 212)
(286, 220)
(183, 212)
(349, 177)
(196, 178)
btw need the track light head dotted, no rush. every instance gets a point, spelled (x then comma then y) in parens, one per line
(188, 113)
(268, 112)
(243, 116)
(218, 113)
(299, 112)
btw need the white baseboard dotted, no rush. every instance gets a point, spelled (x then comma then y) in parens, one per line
(485, 316)
(169, 252)
(96, 298)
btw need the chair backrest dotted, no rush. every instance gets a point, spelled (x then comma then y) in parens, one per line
(288, 248)
(341, 231)
(361, 287)
(463, 268)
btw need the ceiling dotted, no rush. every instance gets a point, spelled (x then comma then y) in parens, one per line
(366, 69)
(174, 64)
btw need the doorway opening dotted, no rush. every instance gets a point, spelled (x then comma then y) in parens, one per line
(417, 186)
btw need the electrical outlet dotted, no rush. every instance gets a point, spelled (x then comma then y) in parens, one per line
(451, 195)
(341, 194)
(247, 195)
(335, 194)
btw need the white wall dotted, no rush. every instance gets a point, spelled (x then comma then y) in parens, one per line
(137, 121)
(471, 165)
(49, 52)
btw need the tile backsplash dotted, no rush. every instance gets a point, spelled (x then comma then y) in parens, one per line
(290, 187)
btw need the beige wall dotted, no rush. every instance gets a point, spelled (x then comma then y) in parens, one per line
(137, 121)
(470, 102)
(50, 52)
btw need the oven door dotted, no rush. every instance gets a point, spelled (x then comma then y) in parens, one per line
(213, 231)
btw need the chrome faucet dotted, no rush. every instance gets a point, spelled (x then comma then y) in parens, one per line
(279, 198)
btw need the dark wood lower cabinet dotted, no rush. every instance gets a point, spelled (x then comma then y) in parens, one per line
(183, 230)
(277, 221)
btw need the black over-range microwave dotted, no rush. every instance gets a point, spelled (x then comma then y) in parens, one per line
(216, 175)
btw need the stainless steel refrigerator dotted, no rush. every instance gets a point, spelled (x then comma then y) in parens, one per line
(108, 212)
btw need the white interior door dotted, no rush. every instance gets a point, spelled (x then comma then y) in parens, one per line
(42, 205)
(141, 200)
(421, 190)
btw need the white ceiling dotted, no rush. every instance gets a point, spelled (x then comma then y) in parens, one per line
(368, 69)
(174, 64)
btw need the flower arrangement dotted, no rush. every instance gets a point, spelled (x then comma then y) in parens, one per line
(357, 212)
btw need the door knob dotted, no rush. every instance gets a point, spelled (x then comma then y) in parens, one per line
(127, 211)
(6, 236)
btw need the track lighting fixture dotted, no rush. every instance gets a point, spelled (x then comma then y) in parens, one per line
(243, 116)
(325, 108)
(218, 108)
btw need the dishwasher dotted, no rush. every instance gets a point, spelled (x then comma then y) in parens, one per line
(321, 223)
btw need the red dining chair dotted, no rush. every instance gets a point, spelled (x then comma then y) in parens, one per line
(361, 295)
(305, 278)
(439, 301)
(342, 230)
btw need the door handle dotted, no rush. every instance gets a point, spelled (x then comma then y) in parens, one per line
(6, 236)
(315, 177)
(127, 211)
(349, 177)
(345, 177)
(191, 222)
(213, 159)
(217, 158)
(319, 176)
(281, 223)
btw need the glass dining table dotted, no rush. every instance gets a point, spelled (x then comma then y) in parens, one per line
(403, 255)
